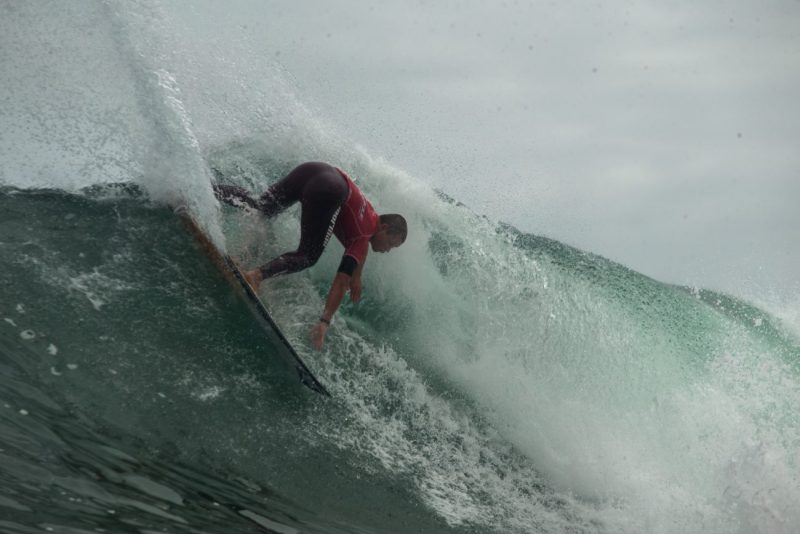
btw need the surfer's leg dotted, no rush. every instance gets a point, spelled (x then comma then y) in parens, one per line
(289, 189)
(322, 199)
(235, 196)
(313, 239)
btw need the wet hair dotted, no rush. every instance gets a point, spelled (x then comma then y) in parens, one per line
(397, 225)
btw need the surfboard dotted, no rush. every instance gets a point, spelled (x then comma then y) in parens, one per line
(234, 275)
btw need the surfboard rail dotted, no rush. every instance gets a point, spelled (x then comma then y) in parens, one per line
(235, 277)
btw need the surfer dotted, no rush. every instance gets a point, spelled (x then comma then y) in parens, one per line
(331, 204)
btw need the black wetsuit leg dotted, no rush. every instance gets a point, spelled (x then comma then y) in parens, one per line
(321, 190)
(279, 195)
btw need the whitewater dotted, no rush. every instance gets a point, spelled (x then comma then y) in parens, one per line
(490, 380)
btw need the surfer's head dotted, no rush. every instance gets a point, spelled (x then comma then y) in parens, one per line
(392, 232)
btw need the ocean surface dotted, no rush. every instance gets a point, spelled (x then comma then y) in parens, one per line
(490, 380)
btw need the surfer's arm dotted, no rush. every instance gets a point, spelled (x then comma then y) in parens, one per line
(355, 282)
(341, 283)
(352, 266)
(335, 296)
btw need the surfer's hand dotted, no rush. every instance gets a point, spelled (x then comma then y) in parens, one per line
(254, 278)
(355, 289)
(318, 335)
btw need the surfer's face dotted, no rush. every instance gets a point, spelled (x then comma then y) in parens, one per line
(383, 241)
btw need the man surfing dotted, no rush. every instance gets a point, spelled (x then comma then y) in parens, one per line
(331, 204)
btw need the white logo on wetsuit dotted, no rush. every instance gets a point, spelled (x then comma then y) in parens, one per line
(330, 228)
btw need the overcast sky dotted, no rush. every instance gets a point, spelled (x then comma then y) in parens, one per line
(663, 135)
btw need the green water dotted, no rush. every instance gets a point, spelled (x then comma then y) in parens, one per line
(138, 392)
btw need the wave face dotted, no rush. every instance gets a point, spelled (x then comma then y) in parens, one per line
(489, 381)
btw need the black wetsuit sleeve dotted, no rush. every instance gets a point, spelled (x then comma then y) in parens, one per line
(348, 265)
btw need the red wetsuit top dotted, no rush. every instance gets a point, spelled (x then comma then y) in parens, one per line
(356, 224)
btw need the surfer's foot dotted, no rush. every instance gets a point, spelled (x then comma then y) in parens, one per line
(254, 278)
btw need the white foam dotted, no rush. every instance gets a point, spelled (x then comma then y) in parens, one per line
(209, 393)
(97, 287)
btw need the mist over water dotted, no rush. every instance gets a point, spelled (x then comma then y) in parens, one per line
(490, 381)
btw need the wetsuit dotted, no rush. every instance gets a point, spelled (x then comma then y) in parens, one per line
(332, 204)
